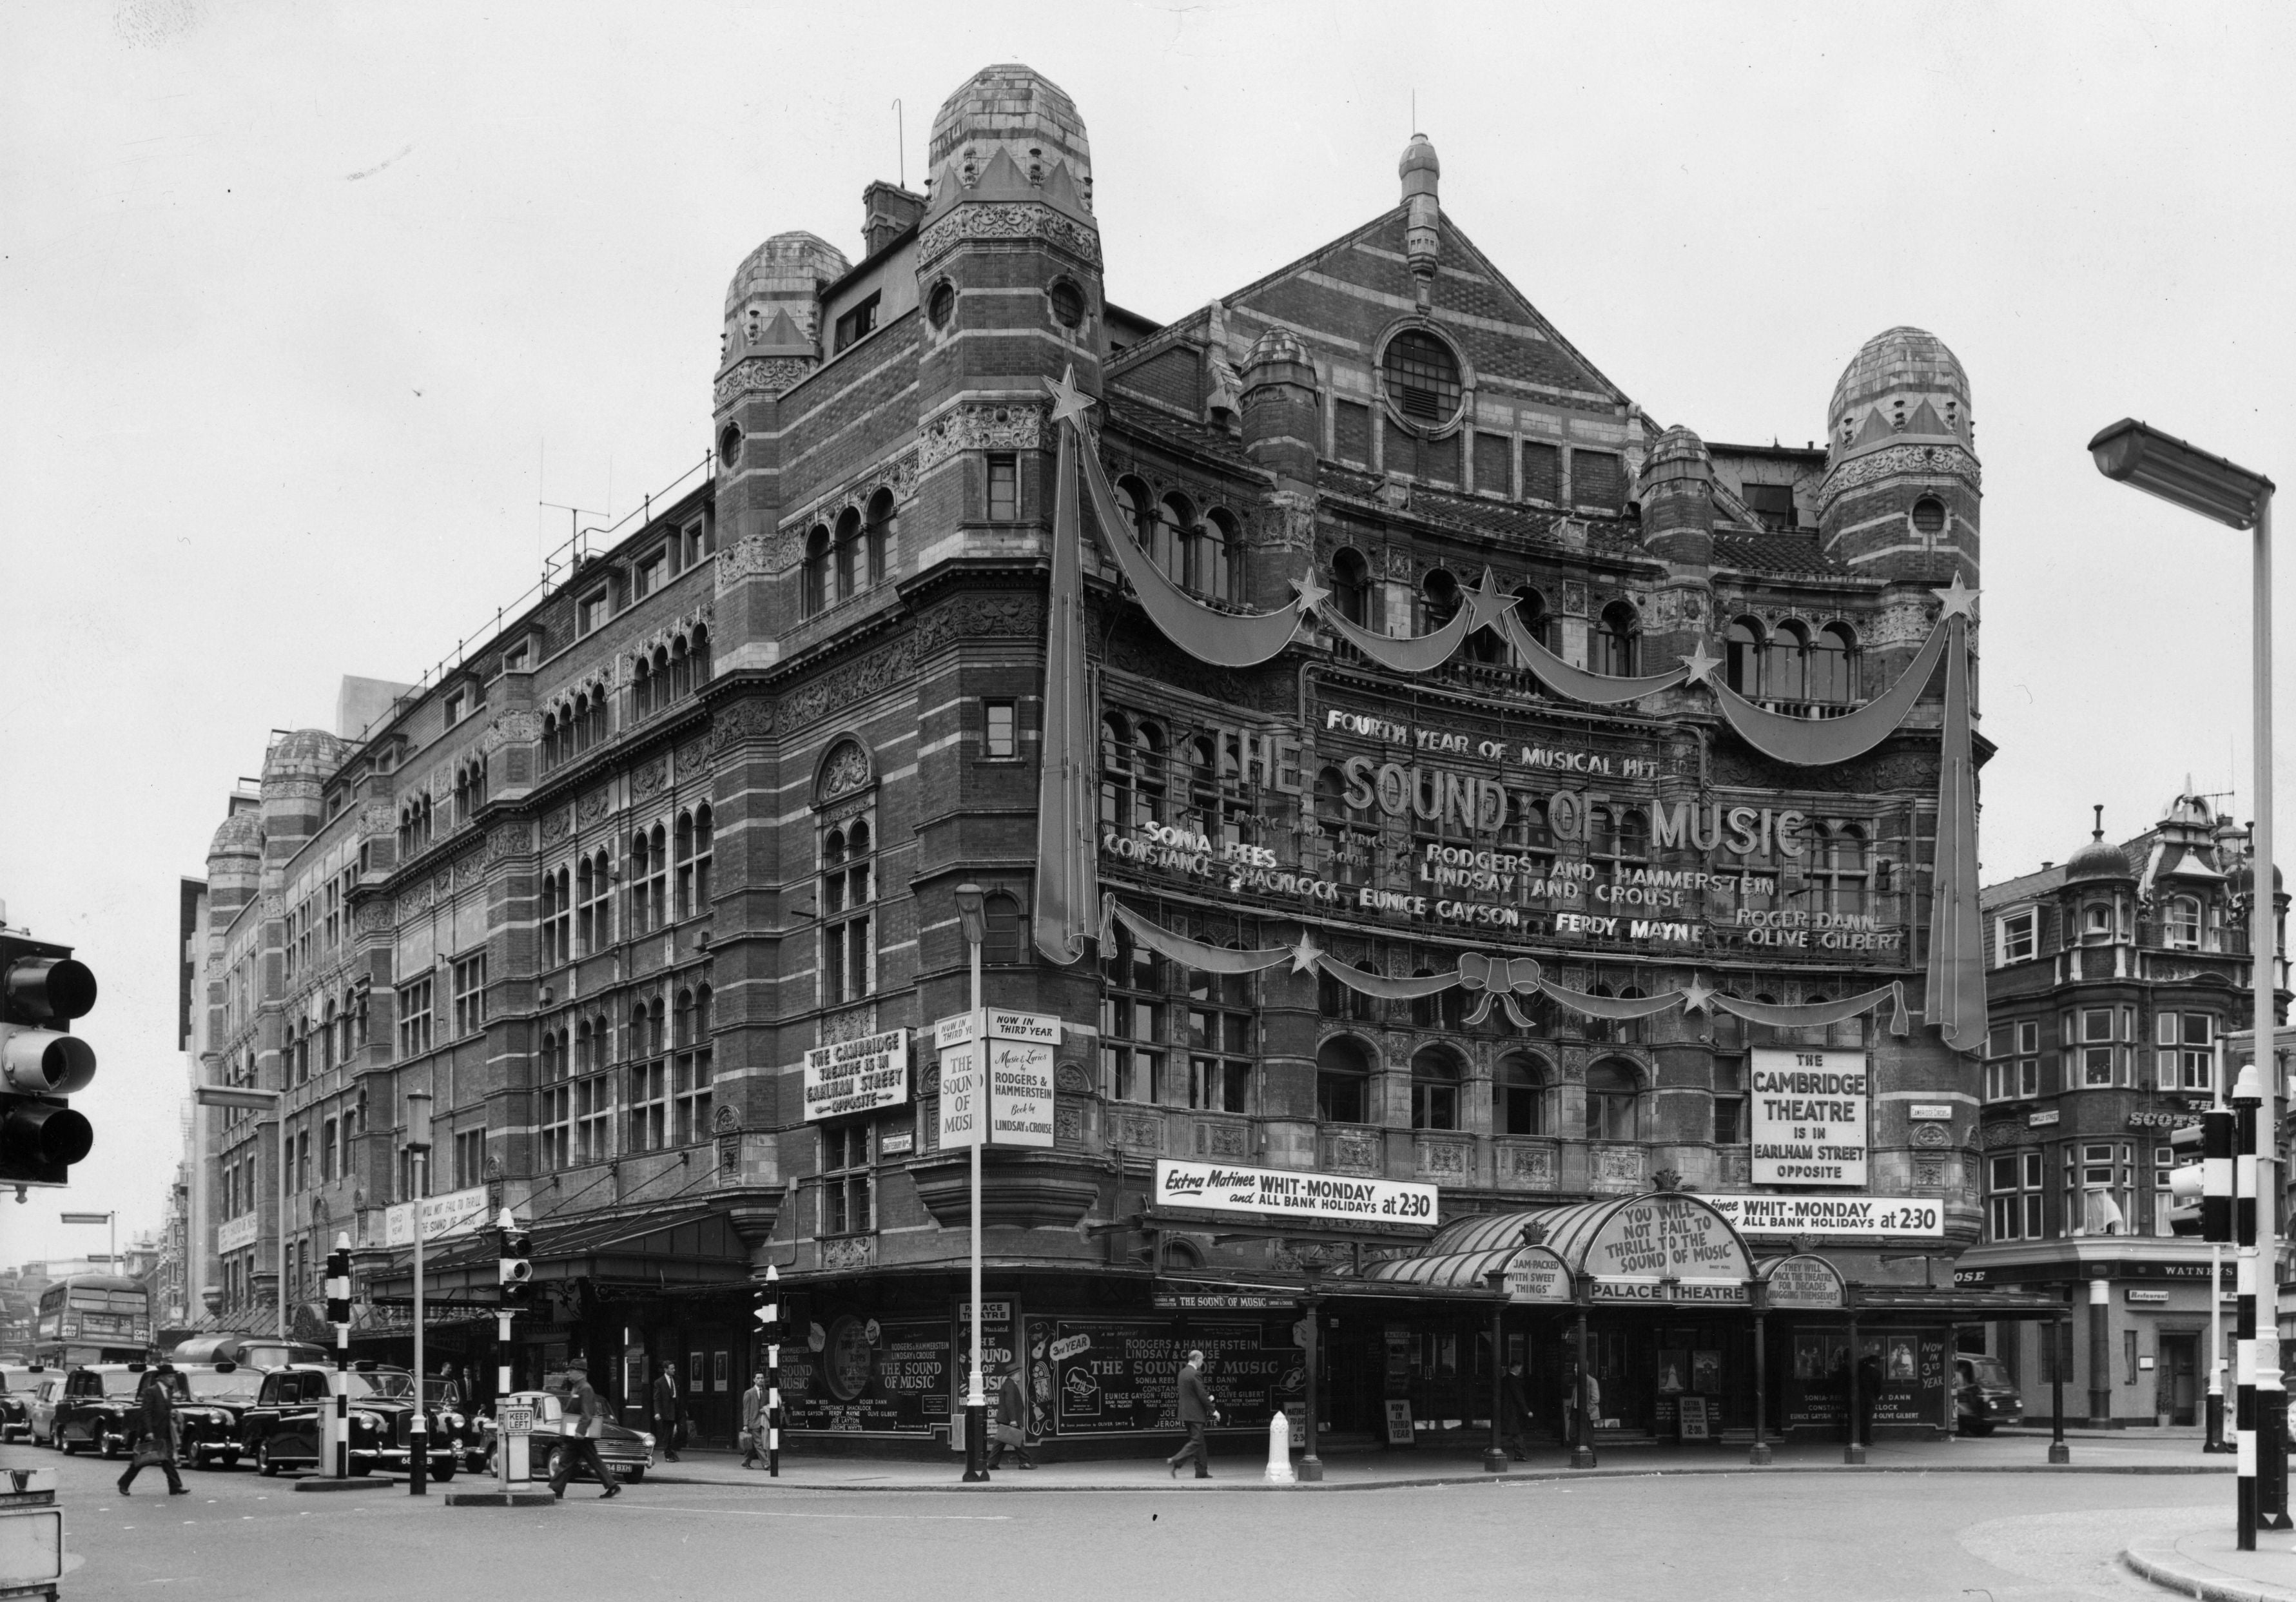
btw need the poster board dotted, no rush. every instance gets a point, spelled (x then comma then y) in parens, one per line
(1809, 1117)
(1100, 1376)
(1693, 1409)
(869, 1378)
(1400, 1431)
(856, 1076)
(1913, 1366)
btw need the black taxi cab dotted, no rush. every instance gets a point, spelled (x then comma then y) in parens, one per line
(102, 1407)
(17, 1384)
(282, 1429)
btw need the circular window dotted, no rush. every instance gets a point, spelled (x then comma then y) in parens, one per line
(729, 446)
(942, 305)
(1929, 515)
(1423, 376)
(1068, 304)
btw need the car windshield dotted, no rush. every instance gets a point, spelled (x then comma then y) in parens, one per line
(1986, 1370)
(130, 1383)
(390, 1384)
(239, 1385)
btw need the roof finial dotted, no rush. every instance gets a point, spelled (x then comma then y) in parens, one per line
(2099, 832)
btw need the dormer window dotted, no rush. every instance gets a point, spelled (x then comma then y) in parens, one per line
(516, 659)
(855, 324)
(2017, 937)
(2183, 923)
(650, 573)
(590, 611)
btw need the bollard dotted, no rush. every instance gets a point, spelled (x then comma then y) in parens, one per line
(1279, 1450)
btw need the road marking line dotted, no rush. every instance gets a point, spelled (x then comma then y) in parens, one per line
(964, 1518)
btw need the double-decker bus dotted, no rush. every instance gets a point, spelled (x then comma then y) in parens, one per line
(93, 1318)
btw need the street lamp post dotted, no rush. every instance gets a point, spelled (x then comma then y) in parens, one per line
(973, 918)
(418, 1144)
(2129, 452)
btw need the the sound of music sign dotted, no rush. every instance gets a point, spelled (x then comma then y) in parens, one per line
(1810, 1124)
(859, 1075)
(996, 1078)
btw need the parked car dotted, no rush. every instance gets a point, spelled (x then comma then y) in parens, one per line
(41, 1413)
(628, 1452)
(102, 1409)
(282, 1429)
(208, 1426)
(1983, 1395)
(17, 1382)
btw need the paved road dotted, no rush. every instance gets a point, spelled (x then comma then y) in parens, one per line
(1894, 1538)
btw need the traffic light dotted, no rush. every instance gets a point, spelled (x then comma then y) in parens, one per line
(2201, 1185)
(768, 1310)
(515, 1268)
(338, 1286)
(42, 990)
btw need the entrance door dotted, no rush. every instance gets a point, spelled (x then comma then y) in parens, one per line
(2178, 1379)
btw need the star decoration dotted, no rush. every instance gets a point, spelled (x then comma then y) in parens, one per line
(1068, 401)
(1311, 594)
(1960, 600)
(1694, 998)
(1305, 955)
(1702, 666)
(1486, 603)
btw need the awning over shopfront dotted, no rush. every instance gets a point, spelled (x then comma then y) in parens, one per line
(1664, 1247)
(686, 1245)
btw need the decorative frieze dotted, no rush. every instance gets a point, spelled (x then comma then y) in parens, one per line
(980, 427)
(759, 374)
(1009, 219)
(971, 617)
(841, 686)
(747, 719)
(750, 557)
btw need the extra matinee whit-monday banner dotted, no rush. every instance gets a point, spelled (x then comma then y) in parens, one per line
(1264, 1192)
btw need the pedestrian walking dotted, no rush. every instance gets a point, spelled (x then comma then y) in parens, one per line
(753, 1423)
(583, 1444)
(668, 1424)
(1197, 1415)
(1514, 1414)
(155, 1448)
(1012, 1426)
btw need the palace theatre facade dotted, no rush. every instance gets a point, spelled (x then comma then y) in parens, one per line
(1445, 843)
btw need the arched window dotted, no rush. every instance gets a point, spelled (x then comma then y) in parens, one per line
(649, 880)
(1618, 641)
(594, 915)
(1612, 1099)
(557, 913)
(1423, 376)
(1438, 600)
(1434, 1090)
(1833, 665)
(642, 682)
(1787, 675)
(1137, 507)
(848, 560)
(2183, 923)
(1837, 867)
(692, 846)
(878, 533)
(701, 656)
(1530, 611)
(550, 739)
(848, 952)
(1006, 941)
(1343, 1081)
(1519, 1095)
(1169, 543)
(817, 571)
(1213, 551)
(1741, 657)
(1116, 776)
(1351, 586)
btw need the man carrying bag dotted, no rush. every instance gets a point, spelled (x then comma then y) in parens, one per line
(1197, 1415)
(753, 1423)
(583, 1442)
(1012, 1426)
(155, 1448)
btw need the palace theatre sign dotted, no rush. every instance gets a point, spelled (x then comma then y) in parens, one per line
(1695, 873)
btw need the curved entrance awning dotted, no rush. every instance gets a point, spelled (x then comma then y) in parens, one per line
(1659, 1247)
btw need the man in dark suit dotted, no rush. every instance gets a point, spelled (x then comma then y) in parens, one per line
(1197, 1415)
(1012, 1425)
(157, 1444)
(583, 1402)
(666, 1409)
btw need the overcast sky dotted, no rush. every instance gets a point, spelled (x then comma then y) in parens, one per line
(304, 309)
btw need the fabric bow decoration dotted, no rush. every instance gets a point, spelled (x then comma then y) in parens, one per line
(1501, 979)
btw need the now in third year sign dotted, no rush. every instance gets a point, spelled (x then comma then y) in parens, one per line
(1809, 1117)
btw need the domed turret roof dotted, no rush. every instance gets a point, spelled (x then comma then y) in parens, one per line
(1903, 382)
(791, 265)
(2100, 858)
(1418, 156)
(1277, 345)
(2243, 876)
(1010, 113)
(239, 835)
(307, 752)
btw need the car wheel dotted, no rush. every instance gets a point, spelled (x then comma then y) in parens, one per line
(443, 1470)
(361, 1467)
(64, 1444)
(1980, 1427)
(634, 1474)
(543, 1465)
(263, 1466)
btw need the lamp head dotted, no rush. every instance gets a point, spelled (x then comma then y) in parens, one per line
(972, 912)
(2136, 454)
(2247, 1088)
(418, 1120)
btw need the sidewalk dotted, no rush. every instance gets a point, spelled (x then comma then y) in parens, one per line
(2105, 1451)
(2204, 1565)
